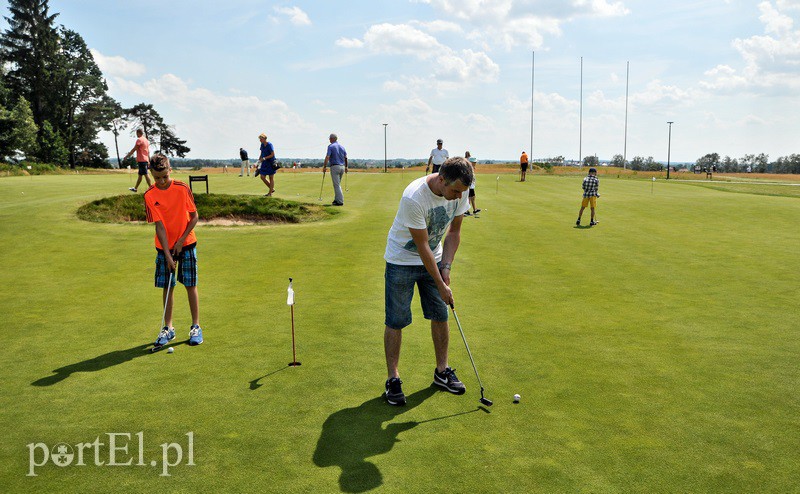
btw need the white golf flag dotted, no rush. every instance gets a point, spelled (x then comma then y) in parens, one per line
(290, 294)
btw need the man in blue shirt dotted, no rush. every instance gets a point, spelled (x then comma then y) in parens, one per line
(266, 169)
(337, 158)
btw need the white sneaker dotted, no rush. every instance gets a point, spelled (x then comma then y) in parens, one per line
(132, 189)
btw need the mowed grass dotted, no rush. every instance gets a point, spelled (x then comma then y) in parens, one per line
(656, 352)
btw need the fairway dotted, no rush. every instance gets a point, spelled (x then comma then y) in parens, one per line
(655, 352)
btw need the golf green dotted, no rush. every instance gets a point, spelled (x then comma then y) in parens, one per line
(655, 352)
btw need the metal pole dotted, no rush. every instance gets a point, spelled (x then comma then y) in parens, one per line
(533, 64)
(669, 146)
(580, 126)
(294, 354)
(384, 148)
(625, 145)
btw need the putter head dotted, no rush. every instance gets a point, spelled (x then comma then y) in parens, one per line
(486, 402)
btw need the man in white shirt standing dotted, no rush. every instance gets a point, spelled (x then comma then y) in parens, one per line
(438, 156)
(415, 255)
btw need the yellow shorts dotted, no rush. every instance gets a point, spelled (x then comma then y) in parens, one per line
(589, 201)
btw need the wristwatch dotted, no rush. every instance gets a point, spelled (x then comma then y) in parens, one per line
(447, 265)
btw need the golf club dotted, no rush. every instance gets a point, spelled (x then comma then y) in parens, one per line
(322, 184)
(483, 399)
(166, 301)
(346, 187)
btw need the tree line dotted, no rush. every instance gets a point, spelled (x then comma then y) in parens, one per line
(54, 100)
(749, 163)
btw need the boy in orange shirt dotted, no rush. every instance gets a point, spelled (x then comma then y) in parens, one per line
(170, 205)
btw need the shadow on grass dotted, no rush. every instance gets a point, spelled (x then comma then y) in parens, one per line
(352, 435)
(98, 363)
(254, 384)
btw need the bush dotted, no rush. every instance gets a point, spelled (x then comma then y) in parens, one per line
(22, 168)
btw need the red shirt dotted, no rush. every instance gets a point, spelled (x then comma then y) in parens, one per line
(171, 206)
(142, 150)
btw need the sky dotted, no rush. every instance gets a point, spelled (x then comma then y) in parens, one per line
(724, 71)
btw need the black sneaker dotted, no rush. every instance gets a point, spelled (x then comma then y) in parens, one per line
(449, 381)
(592, 223)
(467, 214)
(394, 392)
(578, 223)
(477, 211)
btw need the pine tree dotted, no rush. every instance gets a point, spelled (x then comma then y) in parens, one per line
(170, 144)
(29, 47)
(155, 130)
(145, 117)
(51, 146)
(25, 129)
(79, 93)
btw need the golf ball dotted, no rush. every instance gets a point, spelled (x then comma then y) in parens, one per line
(516, 398)
(170, 350)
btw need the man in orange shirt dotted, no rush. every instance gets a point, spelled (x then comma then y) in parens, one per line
(142, 150)
(170, 205)
(523, 166)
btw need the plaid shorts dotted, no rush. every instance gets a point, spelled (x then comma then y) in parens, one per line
(187, 268)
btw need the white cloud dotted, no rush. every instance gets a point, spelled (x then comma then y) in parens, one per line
(774, 21)
(479, 123)
(509, 23)
(414, 108)
(771, 61)
(597, 100)
(117, 66)
(438, 26)
(295, 14)
(349, 43)
(400, 39)
(449, 68)
(723, 77)
(754, 120)
(237, 119)
(657, 94)
(394, 86)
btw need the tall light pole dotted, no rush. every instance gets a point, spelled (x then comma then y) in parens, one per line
(580, 126)
(533, 64)
(625, 145)
(384, 147)
(669, 146)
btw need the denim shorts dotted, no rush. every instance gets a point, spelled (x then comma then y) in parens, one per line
(399, 290)
(187, 268)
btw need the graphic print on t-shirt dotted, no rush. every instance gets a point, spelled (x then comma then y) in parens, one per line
(438, 219)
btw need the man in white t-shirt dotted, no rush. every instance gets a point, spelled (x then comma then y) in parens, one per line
(416, 255)
(438, 156)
